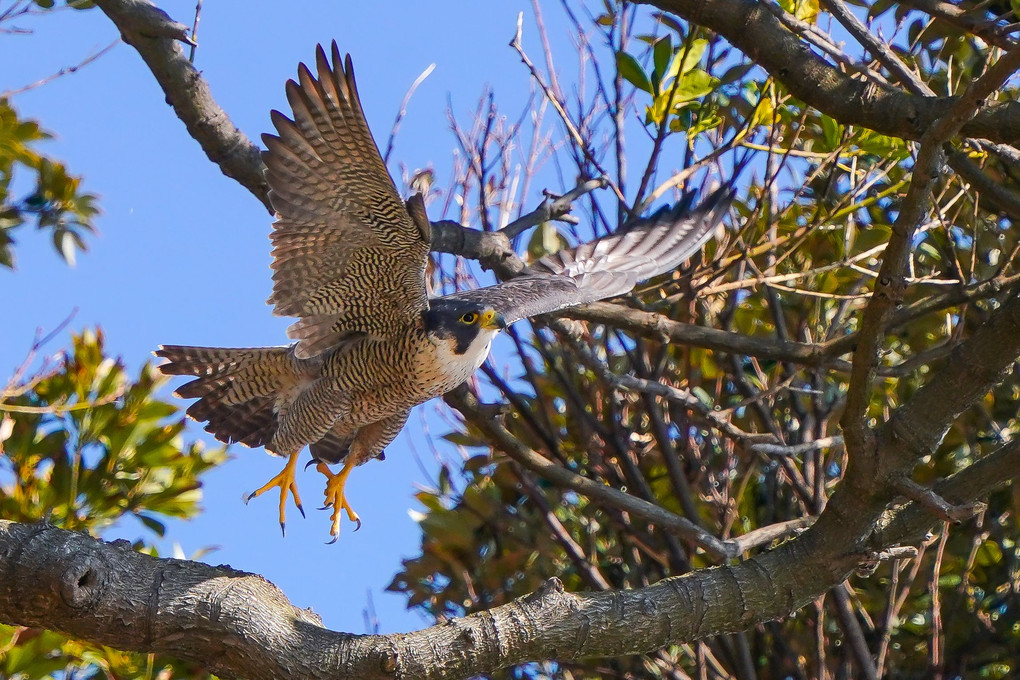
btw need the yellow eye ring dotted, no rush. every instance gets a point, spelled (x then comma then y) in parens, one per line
(469, 318)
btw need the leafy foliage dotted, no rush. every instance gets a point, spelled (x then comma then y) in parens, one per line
(807, 239)
(56, 203)
(84, 446)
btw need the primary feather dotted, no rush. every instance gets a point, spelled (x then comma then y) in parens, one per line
(610, 265)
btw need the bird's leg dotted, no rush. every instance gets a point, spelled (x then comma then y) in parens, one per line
(286, 482)
(336, 498)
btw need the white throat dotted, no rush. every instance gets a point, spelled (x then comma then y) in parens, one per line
(479, 348)
(456, 368)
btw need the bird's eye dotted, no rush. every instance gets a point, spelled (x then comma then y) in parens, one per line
(469, 318)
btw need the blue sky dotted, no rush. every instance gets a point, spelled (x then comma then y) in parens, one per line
(183, 254)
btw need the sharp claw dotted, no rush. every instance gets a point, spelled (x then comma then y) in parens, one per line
(331, 542)
(302, 511)
(311, 463)
(359, 524)
(247, 497)
(283, 529)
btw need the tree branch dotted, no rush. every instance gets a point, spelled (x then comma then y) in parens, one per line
(551, 208)
(485, 420)
(968, 20)
(750, 27)
(909, 523)
(238, 624)
(891, 283)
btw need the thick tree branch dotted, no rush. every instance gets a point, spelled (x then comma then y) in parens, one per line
(887, 110)
(990, 190)
(969, 20)
(973, 368)
(909, 523)
(240, 625)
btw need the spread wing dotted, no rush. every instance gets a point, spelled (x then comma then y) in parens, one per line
(348, 256)
(607, 266)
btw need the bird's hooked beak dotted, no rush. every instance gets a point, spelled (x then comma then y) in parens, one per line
(493, 321)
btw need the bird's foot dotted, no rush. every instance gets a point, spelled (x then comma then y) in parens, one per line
(286, 482)
(336, 498)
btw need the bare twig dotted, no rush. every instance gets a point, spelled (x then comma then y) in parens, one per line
(935, 590)
(554, 207)
(768, 449)
(770, 533)
(949, 512)
(590, 572)
(14, 386)
(465, 402)
(852, 632)
(62, 72)
(879, 49)
(403, 109)
(579, 140)
(194, 31)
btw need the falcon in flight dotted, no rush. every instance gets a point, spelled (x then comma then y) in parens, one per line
(349, 261)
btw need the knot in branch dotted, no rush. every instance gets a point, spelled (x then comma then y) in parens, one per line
(84, 581)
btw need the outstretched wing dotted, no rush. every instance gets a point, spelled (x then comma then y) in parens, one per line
(607, 266)
(349, 256)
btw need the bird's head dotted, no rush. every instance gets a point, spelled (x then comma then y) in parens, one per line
(466, 326)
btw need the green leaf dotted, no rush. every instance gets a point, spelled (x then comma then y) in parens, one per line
(686, 58)
(703, 124)
(56, 201)
(694, 85)
(832, 132)
(662, 52)
(152, 524)
(990, 553)
(632, 72)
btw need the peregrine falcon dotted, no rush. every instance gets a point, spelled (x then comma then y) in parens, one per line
(349, 261)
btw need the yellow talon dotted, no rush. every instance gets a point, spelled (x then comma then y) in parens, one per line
(336, 498)
(286, 483)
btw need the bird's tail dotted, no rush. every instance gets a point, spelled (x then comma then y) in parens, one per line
(239, 391)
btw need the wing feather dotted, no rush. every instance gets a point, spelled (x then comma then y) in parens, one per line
(609, 266)
(347, 256)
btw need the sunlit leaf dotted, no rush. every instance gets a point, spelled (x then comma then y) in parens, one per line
(632, 72)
